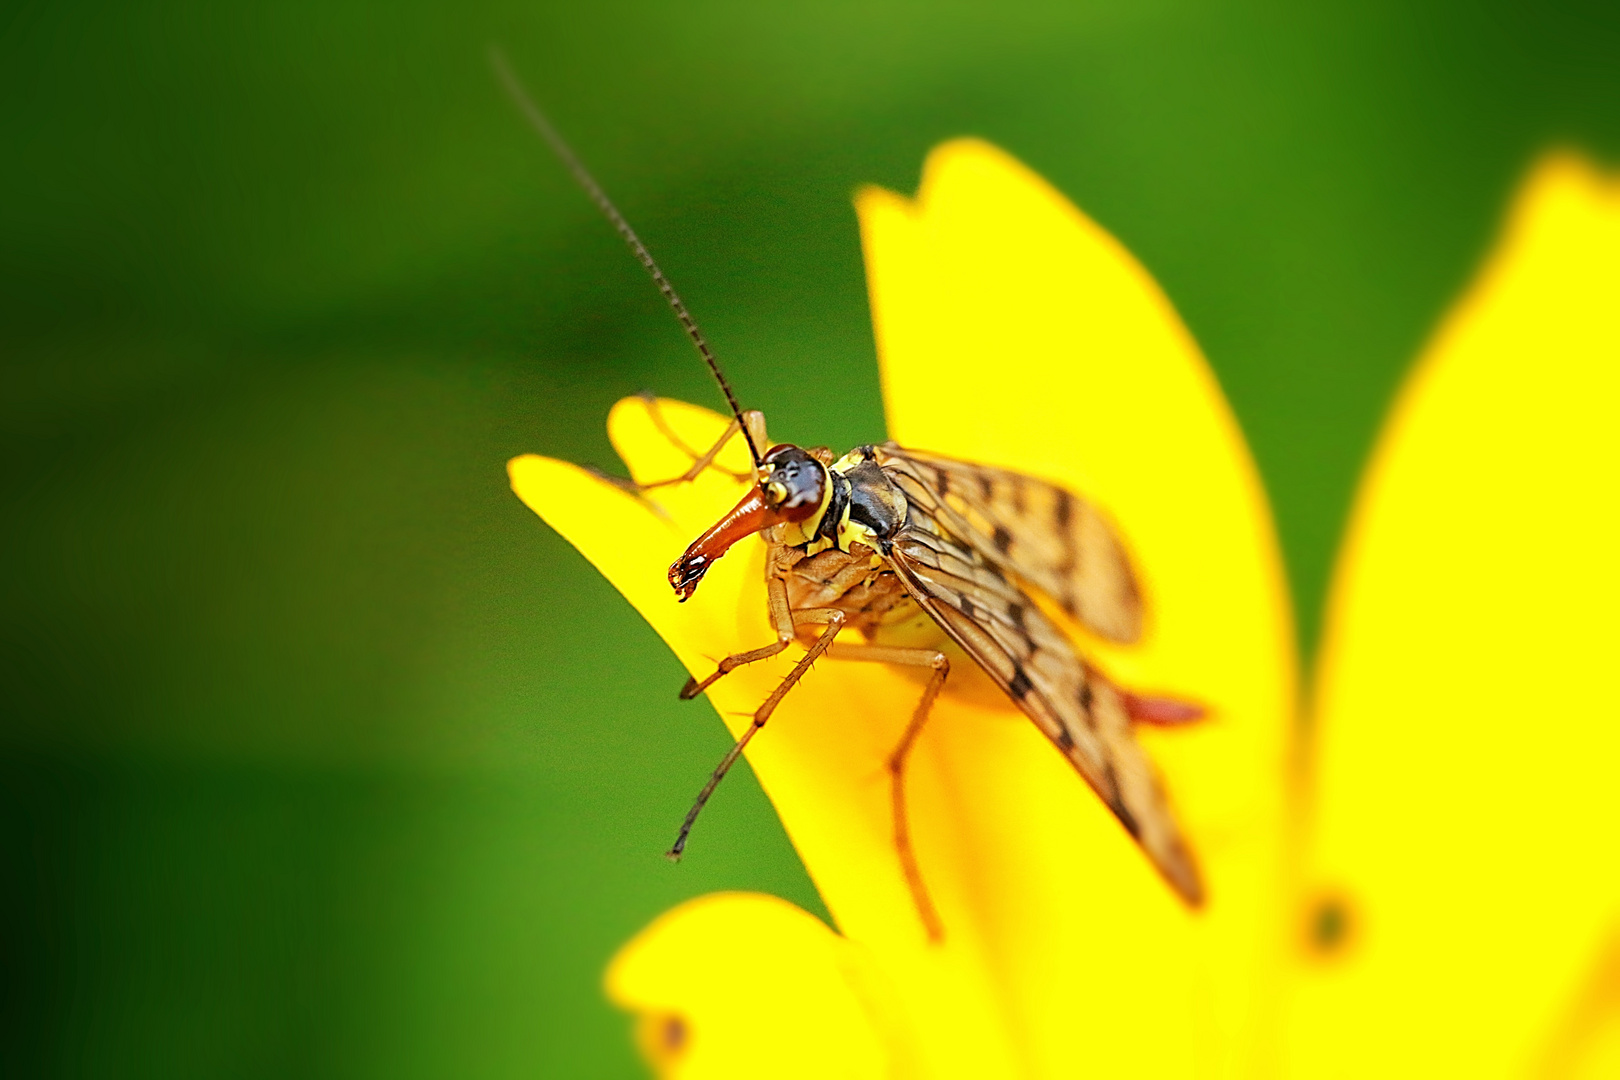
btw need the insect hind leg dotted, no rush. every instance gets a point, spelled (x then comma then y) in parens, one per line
(898, 757)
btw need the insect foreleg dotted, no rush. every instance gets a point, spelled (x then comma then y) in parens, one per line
(756, 430)
(834, 621)
(930, 658)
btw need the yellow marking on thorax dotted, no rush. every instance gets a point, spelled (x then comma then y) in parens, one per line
(851, 532)
(847, 462)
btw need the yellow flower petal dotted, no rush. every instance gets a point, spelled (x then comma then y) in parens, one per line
(823, 758)
(1468, 731)
(740, 984)
(1013, 330)
(633, 541)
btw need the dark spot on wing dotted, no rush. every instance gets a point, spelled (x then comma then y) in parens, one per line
(987, 486)
(942, 482)
(1002, 539)
(1019, 685)
(1117, 805)
(1086, 696)
(966, 606)
(1068, 564)
(994, 571)
(1018, 502)
(1015, 615)
(1125, 818)
(1064, 739)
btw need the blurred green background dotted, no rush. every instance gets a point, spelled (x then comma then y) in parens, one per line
(321, 755)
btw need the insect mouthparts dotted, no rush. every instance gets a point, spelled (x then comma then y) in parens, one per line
(685, 574)
(745, 519)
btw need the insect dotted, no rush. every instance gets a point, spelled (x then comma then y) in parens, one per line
(862, 544)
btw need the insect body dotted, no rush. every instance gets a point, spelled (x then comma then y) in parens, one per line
(883, 537)
(868, 541)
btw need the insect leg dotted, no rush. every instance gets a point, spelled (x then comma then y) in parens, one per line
(930, 658)
(781, 618)
(756, 429)
(834, 620)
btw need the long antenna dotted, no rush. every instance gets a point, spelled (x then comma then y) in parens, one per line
(538, 121)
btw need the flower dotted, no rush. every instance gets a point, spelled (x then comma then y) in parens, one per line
(1467, 729)
(1014, 331)
(1057, 928)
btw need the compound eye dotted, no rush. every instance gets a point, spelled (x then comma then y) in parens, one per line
(803, 484)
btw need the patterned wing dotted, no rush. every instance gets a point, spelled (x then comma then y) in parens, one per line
(1039, 532)
(973, 600)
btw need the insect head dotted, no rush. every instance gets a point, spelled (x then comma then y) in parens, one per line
(792, 491)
